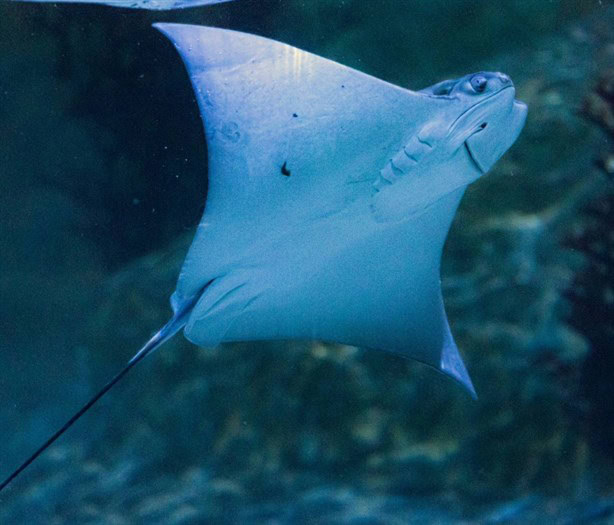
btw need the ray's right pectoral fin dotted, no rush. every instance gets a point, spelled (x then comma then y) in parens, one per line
(452, 363)
(401, 189)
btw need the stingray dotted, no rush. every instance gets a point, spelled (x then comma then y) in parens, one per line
(330, 196)
(158, 5)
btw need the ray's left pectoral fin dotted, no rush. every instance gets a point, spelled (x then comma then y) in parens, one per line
(452, 363)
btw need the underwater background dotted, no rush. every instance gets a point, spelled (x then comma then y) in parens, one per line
(102, 183)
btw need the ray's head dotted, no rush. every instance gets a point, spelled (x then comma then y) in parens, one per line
(483, 115)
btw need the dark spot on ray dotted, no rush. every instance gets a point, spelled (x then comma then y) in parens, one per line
(284, 169)
(294, 115)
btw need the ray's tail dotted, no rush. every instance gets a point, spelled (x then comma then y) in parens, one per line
(177, 322)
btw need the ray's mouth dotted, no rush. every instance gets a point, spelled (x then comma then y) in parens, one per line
(481, 127)
(475, 162)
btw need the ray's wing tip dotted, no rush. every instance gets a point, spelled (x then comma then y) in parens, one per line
(177, 29)
(166, 28)
(189, 39)
(470, 388)
(452, 365)
(462, 377)
(174, 30)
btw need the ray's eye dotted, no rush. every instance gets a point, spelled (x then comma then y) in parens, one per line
(478, 83)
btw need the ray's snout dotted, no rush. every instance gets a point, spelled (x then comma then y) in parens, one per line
(504, 79)
(487, 81)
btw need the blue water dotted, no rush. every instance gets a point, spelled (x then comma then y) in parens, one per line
(103, 179)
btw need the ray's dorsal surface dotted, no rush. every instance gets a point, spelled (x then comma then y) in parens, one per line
(330, 197)
(155, 5)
